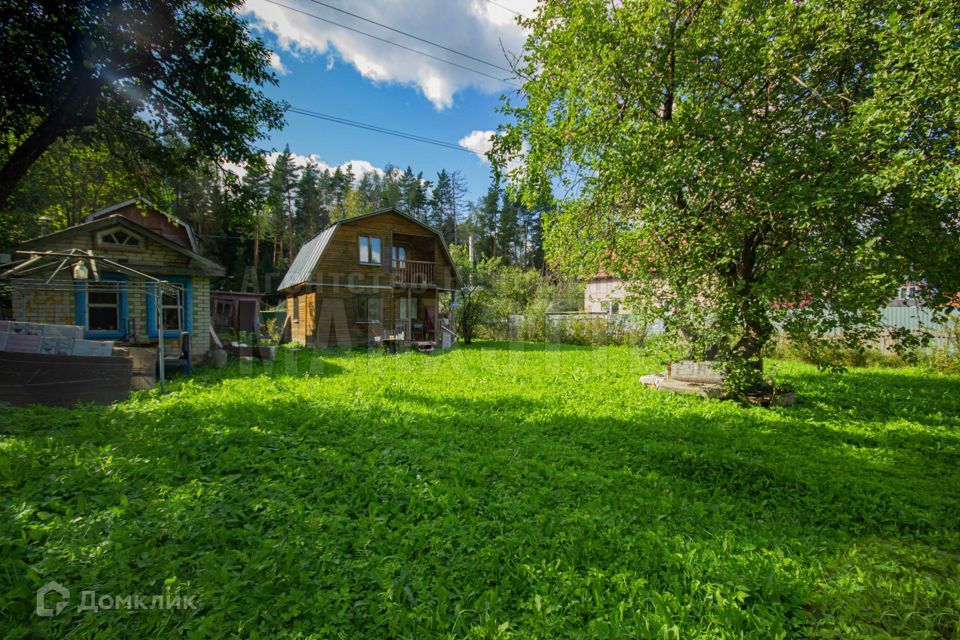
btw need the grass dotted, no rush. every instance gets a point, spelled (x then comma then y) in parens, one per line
(498, 491)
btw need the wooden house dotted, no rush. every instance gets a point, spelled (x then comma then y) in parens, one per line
(367, 279)
(234, 312)
(120, 306)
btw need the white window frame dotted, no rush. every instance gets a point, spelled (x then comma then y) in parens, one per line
(99, 288)
(137, 245)
(178, 305)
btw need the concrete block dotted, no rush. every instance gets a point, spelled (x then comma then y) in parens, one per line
(691, 371)
(652, 380)
(702, 389)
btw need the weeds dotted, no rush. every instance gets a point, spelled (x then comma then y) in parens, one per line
(499, 491)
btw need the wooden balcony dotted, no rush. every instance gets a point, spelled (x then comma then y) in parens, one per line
(414, 272)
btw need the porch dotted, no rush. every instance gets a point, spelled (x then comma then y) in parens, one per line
(415, 322)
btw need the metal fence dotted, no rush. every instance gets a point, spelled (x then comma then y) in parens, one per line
(911, 318)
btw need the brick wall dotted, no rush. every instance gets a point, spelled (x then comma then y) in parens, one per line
(55, 304)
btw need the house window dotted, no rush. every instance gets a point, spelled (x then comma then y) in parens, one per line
(296, 308)
(120, 238)
(408, 309)
(368, 308)
(100, 306)
(610, 306)
(399, 257)
(224, 315)
(103, 306)
(176, 306)
(369, 250)
(172, 309)
(907, 293)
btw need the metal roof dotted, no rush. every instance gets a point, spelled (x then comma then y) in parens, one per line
(307, 258)
(306, 261)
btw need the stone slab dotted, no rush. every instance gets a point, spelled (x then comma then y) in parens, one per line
(652, 380)
(681, 386)
(701, 372)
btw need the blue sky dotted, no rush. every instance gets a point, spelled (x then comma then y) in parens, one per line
(326, 68)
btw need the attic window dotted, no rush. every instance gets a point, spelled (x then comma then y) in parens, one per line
(120, 238)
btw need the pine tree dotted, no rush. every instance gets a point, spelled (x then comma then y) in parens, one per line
(415, 194)
(255, 192)
(368, 194)
(283, 185)
(508, 230)
(442, 205)
(391, 188)
(312, 214)
(488, 217)
(341, 183)
(458, 195)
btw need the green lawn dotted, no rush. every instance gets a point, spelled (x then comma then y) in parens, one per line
(502, 490)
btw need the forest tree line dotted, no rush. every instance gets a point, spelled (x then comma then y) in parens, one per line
(255, 220)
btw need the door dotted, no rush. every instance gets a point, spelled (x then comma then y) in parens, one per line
(247, 312)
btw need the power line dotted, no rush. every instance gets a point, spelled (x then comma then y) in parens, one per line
(396, 44)
(410, 35)
(377, 129)
(516, 13)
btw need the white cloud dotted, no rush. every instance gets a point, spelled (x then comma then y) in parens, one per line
(476, 27)
(277, 64)
(360, 168)
(480, 142)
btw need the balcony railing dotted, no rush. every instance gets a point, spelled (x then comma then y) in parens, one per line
(414, 272)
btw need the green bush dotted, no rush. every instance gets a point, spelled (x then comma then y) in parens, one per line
(835, 355)
(597, 331)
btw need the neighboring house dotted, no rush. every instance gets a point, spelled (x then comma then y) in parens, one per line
(373, 277)
(604, 294)
(907, 296)
(120, 306)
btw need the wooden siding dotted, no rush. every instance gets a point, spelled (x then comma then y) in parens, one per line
(328, 315)
(328, 307)
(340, 262)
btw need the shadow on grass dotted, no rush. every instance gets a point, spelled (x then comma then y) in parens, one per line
(878, 395)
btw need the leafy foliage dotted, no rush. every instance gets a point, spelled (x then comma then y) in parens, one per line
(145, 73)
(745, 165)
(473, 300)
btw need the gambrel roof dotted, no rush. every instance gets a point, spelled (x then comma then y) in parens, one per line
(203, 265)
(305, 263)
(140, 200)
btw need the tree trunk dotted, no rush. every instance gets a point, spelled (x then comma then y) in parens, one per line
(256, 248)
(289, 228)
(78, 109)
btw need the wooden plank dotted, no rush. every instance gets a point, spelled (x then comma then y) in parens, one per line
(63, 381)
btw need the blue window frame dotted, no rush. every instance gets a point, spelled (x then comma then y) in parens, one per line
(101, 307)
(187, 307)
